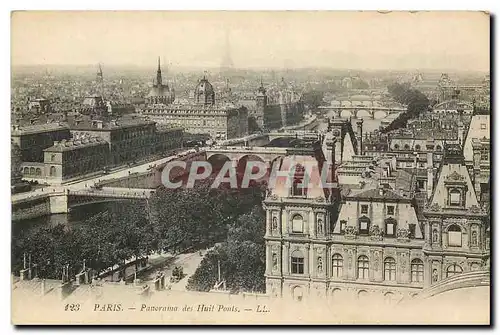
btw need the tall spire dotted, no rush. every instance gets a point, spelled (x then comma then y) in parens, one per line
(158, 74)
(100, 81)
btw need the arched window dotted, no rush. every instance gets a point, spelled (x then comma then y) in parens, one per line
(417, 147)
(26, 170)
(363, 267)
(38, 171)
(52, 157)
(337, 265)
(297, 224)
(52, 170)
(407, 147)
(396, 146)
(454, 236)
(417, 271)
(297, 262)
(32, 171)
(453, 269)
(438, 147)
(389, 269)
(390, 227)
(364, 225)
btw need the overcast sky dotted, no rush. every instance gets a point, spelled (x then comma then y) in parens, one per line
(357, 40)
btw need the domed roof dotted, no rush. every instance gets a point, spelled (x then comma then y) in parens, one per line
(204, 87)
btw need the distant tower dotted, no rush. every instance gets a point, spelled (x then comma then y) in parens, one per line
(100, 82)
(158, 74)
(227, 62)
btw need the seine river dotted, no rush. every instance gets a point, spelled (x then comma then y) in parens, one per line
(81, 213)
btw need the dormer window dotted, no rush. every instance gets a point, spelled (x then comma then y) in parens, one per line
(364, 225)
(454, 197)
(390, 210)
(343, 224)
(298, 189)
(390, 227)
(364, 209)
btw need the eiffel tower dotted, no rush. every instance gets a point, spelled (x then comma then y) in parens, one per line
(227, 62)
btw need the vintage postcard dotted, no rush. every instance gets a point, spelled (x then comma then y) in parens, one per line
(224, 167)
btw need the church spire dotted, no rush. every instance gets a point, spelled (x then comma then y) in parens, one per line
(158, 74)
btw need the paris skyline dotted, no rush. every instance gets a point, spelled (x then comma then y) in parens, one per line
(397, 40)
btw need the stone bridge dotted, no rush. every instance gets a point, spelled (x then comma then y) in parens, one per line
(263, 154)
(366, 111)
(63, 199)
(106, 194)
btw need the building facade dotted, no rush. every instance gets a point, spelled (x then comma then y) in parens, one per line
(32, 140)
(204, 116)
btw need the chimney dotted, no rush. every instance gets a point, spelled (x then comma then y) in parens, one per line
(359, 136)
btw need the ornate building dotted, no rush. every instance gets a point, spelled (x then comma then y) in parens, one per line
(276, 107)
(455, 226)
(160, 93)
(376, 240)
(204, 116)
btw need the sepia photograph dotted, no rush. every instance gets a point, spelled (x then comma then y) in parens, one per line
(250, 167)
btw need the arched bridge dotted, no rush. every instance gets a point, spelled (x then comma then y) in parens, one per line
(91, 196)
(363, 111)
(263, 154)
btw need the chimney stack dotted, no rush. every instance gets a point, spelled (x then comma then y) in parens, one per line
(359, 136)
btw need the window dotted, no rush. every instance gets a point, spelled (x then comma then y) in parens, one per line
(390, 227)
(364, 209)
(52, 157)
(38, 171)
(390, 210)
(26, 170)
(417, 271)
(483, 125)
(297, 224)
(407, 147)
(363, 267)
(52, 170)
(337, 265)
(32, 170)
(297, 262)
(364, 225)
(438, 147)
(454, 197)
(389, 269)
(420, 184)
(417, 147)
(343, 224)
(454, 236)
(453, 269)
(396, 146)
(297, 188)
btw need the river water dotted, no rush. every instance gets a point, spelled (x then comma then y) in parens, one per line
(79, 214)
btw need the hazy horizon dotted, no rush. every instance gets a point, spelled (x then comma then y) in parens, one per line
(364, 41)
